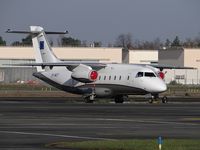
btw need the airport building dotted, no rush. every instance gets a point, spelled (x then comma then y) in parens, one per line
(183, 57)
(16, 55)
(176, 57)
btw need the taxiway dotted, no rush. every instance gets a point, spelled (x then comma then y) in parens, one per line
(32, 124)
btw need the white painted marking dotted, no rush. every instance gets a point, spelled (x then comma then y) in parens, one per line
(146, 121)
(54, 124)
(54, 135)
(194, 127)
(117, 120)
(114, 120)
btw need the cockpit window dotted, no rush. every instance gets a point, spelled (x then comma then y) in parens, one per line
(149, 74)
(139, 74)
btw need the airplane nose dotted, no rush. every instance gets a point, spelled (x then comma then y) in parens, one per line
(162, 87)
(158, 87)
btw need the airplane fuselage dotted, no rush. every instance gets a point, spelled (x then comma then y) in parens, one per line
(113, 80)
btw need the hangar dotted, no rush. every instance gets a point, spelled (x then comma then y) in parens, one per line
(16, 55)
(183, 57)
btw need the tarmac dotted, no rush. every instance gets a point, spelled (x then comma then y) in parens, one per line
(33, 124)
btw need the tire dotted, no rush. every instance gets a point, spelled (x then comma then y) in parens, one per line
(120, 99)
(150, 101)
(87, 100)
(164, 100)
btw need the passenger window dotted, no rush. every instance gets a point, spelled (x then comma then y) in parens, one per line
(104, 77)
(139, 74)
(149, 74)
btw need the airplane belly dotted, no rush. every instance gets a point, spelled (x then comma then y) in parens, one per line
(103, 92)
(111, 90)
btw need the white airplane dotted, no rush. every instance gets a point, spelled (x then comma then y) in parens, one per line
(94, 79)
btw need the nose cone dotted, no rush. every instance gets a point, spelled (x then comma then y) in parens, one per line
(157, 86)
(162, 87)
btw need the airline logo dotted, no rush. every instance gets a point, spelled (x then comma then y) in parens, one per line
(41, 45)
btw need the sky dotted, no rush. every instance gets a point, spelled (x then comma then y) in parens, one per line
(103, 20)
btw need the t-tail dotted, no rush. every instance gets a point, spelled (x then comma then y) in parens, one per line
(43, 51)
(42, 48)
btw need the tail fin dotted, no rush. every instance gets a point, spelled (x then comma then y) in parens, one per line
(41, 46)
(43, 51)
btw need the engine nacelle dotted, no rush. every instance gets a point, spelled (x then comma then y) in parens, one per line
(84, 73)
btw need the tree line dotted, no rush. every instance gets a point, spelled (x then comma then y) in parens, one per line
(123, 40)
(61, 41)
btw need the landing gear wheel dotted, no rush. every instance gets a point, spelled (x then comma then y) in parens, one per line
(120, 98)
(164, 99)
(150, 101)
(89, 99)
(154, 98)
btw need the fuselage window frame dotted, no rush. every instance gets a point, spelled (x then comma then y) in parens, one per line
(115, 77)
(139, 74)
(109, 77)
(149, 74)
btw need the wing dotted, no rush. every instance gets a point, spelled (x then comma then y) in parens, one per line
(163, 66)
(69, 65)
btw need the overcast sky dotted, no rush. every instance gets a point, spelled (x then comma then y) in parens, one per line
(103, 20)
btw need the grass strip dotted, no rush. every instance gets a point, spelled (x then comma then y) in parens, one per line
(169, 144)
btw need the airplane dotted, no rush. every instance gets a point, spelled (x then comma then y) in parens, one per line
(94, 79)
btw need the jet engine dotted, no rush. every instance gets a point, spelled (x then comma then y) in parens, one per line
(84, 73)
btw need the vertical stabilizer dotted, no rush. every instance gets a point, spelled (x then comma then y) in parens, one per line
(43, 51)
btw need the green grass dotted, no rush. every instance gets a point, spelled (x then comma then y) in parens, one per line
(25, 87)
(169, 144)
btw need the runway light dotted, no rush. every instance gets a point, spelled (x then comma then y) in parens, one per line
(160, 142)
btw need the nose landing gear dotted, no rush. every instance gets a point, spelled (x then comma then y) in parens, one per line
(164, 99)
(156, 98)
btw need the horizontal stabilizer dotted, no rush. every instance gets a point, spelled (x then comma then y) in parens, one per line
(34, 32)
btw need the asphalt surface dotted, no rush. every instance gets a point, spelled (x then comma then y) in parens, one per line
(32, 124)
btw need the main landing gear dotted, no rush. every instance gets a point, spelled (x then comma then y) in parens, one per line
(121, 98)
(89, 98)
(156, 98)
